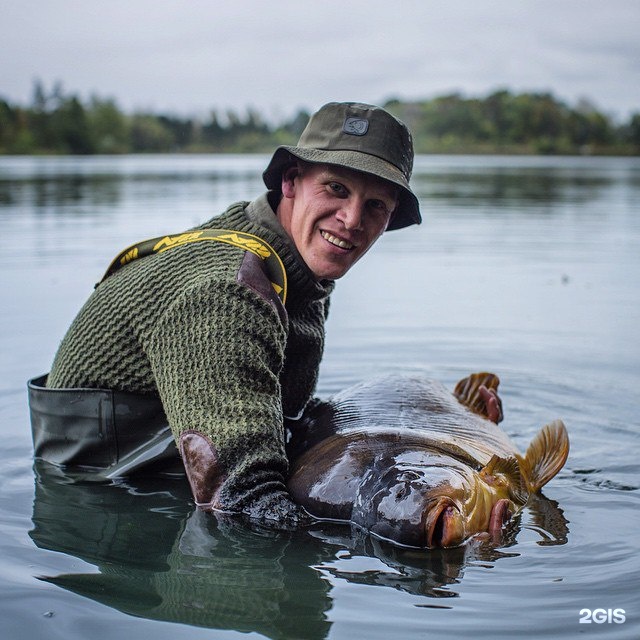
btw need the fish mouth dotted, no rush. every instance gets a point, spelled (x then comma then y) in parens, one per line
(337, 242)
(445, 526)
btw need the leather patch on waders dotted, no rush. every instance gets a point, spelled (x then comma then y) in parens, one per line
(202, 465)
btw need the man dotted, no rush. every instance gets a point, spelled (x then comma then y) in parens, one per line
(229, 333)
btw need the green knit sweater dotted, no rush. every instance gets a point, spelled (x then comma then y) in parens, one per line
(180, 325)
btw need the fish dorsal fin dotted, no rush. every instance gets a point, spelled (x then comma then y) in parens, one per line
(467, 391)
(505, 471)
(545, 456)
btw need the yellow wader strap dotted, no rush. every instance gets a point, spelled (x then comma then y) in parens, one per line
(246, 241)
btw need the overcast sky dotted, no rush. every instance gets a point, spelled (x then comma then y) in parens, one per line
(188, 56)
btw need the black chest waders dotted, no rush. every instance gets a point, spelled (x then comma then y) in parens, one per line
(112, 432)
(116, 433)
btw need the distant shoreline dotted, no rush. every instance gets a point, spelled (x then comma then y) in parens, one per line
(502, 123)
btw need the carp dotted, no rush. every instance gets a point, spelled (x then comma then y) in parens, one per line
(410, 462)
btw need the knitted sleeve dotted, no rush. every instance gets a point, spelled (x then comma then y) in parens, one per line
(216, 353)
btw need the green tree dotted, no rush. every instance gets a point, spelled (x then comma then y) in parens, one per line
(8, 126)
(212, 132)
(182, 130)
(71, 126)
(148, 134)
(497, 112)
(108, 126)
(44, 137)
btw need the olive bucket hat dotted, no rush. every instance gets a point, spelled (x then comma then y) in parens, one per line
(362, 137)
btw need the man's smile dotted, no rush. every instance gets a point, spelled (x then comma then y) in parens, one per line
(343, 244)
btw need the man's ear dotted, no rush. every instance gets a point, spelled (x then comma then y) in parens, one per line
(288, 180)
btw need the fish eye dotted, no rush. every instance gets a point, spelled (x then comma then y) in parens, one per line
(408, 476)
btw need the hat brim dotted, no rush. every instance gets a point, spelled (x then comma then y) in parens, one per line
(408, 211)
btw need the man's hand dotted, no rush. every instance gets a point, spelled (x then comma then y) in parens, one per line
(277, 511)
(493, 404)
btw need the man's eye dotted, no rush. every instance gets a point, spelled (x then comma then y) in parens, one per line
(379, 206)
(337, 188)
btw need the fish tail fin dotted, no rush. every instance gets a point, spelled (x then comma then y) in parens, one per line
(467, 391)
(545, 456)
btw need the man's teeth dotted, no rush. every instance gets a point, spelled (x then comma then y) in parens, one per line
(343, 244)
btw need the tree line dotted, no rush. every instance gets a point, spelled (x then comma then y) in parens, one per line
(502, 122)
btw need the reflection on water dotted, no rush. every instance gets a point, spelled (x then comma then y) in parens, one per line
(507, 188)
(158, 558)
(64, 185)
(46, 194)
(43, 183)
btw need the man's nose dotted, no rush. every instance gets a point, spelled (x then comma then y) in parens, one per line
(351, 214)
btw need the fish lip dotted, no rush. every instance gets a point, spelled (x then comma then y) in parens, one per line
(444, 525)
(501, 512)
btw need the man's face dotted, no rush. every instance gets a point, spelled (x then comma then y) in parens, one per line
(334, 215)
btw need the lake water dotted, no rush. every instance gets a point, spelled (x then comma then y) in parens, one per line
(528, 267)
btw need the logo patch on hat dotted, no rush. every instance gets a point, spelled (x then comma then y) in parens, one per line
(355, 126)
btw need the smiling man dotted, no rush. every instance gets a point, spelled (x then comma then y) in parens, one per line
(222, 326)
(334, 215)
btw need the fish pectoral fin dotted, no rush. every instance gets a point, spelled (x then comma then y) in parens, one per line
(506, 471)
(545, 456)
(467, 391)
